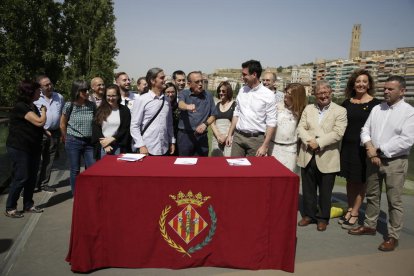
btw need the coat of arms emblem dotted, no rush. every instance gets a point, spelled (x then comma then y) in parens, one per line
(188, 223)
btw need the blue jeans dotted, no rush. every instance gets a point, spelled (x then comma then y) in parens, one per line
(25, 166)
(76, 148)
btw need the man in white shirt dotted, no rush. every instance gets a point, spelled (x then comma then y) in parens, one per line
(124, 83)
(388, 135)
(269, 81)
(254, 118)
(151, 118)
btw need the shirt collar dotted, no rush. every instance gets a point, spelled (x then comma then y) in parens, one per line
(324, 108)
(154, 96)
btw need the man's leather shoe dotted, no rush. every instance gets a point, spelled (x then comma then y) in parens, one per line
(389, 244)
(362, 230)
(305, 221)
(321, 226)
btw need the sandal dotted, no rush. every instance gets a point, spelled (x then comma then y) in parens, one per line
(33, 209)
(343, 218)
(13, 214)
(347, 225)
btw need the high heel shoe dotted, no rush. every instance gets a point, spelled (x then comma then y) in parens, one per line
(343, 218)
(348, 225)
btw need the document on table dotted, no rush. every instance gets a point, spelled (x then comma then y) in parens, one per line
(185, 161)
(239, 162)
(131, 157)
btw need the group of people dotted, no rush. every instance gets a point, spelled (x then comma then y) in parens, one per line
(321, 140)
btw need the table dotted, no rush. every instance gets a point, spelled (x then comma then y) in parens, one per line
(154, 214)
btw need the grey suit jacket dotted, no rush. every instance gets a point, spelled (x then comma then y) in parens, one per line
(328, 134)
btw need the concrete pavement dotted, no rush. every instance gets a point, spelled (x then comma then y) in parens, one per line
(38, 243)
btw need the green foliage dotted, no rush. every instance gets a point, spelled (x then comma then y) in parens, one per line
(279, 69)
(66, 41)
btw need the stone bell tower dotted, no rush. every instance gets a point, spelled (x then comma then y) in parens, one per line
(355, 41)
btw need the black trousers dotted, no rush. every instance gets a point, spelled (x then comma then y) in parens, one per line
(312, 180)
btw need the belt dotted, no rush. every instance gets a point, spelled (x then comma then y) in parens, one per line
(249, 134)
(394, 158)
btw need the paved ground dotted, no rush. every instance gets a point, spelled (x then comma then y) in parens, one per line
(38, 243)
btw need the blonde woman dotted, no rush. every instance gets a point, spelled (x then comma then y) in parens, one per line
(284, 142)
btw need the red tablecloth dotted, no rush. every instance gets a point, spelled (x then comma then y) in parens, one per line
(125, 215)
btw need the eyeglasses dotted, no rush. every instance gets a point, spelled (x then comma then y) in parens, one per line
(198, 81)
(322, 94)
(100, 84)
(83, 90)
(223, 91)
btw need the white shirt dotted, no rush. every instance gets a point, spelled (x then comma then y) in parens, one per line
(159, 135)
(390, 128)
(286, 132)
(129, 100)
(256, 109)
(111, 125)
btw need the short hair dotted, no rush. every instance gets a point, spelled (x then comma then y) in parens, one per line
(350, 86)
(299, 99)
(119, 74)
(254, 66)
(177, 72)
(93, 80)
(26, 89)
(322, 83)
(273, 75)
(191, 73)
(140, 79)
(229, 90)
(39, 78)
(152, 75)
(398, 79)
(77, 86)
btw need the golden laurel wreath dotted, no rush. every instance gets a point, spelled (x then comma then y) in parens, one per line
(195, 248)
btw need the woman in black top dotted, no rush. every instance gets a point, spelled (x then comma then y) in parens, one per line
(110, 129)
(24, 147)
(359, 91)
(220, 127)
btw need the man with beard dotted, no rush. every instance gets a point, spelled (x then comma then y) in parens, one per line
(124, 83)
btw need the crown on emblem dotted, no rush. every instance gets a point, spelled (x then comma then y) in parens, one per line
(189, 198)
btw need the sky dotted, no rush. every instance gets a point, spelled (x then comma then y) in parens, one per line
(211, 34)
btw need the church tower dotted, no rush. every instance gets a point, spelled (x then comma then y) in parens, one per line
(355, 41)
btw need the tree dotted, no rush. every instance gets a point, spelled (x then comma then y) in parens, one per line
(279, 69)
(33, 42)
(92, 40)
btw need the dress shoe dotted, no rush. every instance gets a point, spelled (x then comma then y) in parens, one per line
(389, 244)
(321, 226)
(305, 221)
(362, 230)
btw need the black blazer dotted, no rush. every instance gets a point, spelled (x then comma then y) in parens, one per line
(123, 136)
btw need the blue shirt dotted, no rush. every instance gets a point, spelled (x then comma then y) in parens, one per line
(204, 106)
(54, 108)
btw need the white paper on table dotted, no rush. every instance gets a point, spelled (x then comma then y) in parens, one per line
(239, 162)
(185, 161)
(132, 157)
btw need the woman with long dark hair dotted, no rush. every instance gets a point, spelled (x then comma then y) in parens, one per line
(24, 145)
(110, 133)
(76, 128)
